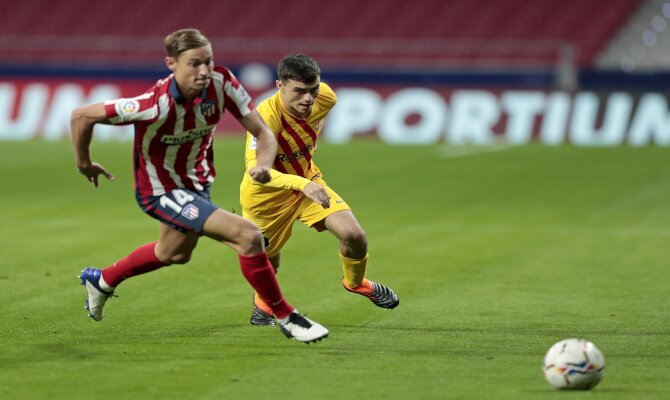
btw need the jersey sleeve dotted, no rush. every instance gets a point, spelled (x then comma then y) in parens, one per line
(284, 181)
(327, 96)
(126, 111)
(237, 100)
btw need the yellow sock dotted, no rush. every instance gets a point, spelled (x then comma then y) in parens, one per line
(354, 270)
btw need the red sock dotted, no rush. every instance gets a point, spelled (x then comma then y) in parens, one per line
(260, 274)
(140, 261)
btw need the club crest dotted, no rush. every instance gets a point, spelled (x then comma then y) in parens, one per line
(208, 108)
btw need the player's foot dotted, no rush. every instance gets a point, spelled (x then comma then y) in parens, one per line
(96, 295)
(260, 317)
(380, 295)
(301, 328)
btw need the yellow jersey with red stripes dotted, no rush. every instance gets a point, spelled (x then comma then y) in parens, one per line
(296, 140)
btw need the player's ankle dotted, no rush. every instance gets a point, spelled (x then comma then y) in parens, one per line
(363, 287)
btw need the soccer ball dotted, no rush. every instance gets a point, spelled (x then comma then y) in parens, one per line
(573, 364)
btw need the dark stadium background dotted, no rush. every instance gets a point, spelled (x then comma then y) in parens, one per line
(389, 61)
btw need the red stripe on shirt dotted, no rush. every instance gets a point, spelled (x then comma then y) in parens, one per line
(288, 151)
(280, 167)
(302, 147)
(304, 125)
(205, 146)
(181, 165)
(157, 151)
(141, 179)
(181, 158)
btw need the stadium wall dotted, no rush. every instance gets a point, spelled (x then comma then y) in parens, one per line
(399, 108)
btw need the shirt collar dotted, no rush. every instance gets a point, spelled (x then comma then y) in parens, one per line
(180, 99)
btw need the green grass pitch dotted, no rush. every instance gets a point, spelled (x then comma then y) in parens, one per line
(495, 256)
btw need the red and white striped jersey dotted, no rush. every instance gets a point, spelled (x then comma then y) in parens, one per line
(173, 137)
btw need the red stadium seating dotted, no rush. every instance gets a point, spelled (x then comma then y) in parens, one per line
(425, 33)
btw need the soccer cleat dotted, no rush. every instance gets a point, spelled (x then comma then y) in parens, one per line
(302, 329)
(380, 295)
(96, 295)
(259, 317)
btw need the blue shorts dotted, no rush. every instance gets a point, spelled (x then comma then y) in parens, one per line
(182, 209)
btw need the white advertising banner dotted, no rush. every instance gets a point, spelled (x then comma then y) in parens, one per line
(395, 114)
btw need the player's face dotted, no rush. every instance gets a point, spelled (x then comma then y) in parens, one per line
(192, 70)
(299, 97)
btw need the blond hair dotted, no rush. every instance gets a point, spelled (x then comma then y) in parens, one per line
(179, 41)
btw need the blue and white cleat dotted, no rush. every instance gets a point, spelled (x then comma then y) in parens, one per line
(96, 295)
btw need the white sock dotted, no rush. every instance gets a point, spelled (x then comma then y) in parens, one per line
(283, 320)
(103, 285)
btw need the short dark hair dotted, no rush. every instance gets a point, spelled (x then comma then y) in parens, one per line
(298, 67)
(179, 41)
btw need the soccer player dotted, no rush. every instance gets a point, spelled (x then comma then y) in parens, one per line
(173, 169)
(297, 190)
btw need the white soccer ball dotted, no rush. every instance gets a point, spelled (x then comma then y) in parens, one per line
(573, 364)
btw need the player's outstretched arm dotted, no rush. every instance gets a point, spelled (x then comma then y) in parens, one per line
(266, 146)
(312, 190)
(82, 121)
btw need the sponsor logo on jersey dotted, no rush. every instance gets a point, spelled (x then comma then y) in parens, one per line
(296, 155)
(187, 136)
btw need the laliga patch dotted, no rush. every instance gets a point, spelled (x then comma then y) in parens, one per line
(190, 211)
(127, 106)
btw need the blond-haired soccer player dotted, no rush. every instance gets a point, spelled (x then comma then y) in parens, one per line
(297, 190)
(174, 121)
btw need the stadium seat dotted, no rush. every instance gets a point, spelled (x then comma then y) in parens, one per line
(459, 31)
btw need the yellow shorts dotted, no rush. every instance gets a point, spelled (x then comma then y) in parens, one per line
(275, 212)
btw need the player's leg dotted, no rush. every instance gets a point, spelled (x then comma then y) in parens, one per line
(340, 221)
(246, 239)
(261, 314)
(181, 213)
(173, 247)
(352, 243)
(354, 257)
(276, 225)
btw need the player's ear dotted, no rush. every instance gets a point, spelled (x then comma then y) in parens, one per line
(279, 84)
(171, 63)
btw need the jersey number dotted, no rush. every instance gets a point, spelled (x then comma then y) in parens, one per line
(180, 196)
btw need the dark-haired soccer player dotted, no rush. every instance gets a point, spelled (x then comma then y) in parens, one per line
(297, 190)
(174, 169)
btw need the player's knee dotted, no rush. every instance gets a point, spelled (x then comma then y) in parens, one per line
(356, 236)
(176, 258)
(250, 239)
(181, 258)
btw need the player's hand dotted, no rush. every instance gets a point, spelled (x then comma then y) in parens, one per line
(260, 174)
(93, 170)
(317, 193)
